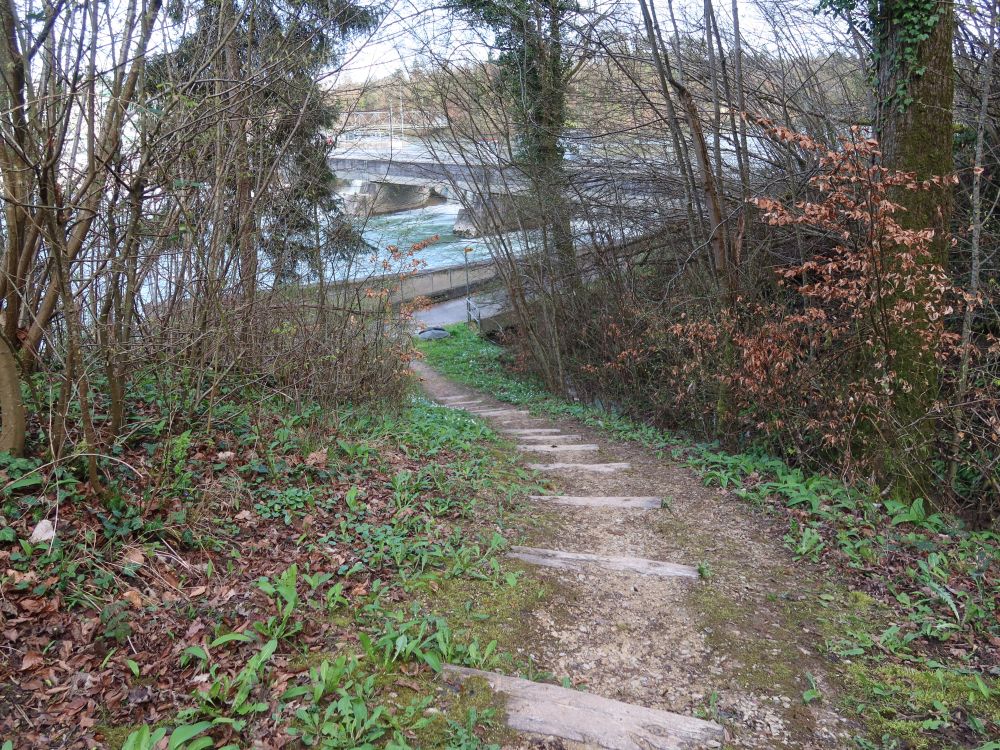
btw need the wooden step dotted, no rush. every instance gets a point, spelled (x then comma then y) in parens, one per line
(557, 448)
(598, 468)
(550, 438)
(452, 398)
(533, 431)
(499, 412)
(590, 719)
(582, 561)
(462, 404)
(599, 501)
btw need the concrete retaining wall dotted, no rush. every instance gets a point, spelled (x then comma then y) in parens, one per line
(496, 214)
(439, 284)
(445, 283)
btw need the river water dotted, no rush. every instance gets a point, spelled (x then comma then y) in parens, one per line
(403, 230)
(407, 228)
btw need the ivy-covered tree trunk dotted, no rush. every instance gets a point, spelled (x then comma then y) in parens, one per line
(916, 89)
(534, 68)
(542, 89)
(915, 80)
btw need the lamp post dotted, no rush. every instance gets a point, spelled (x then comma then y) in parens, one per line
(468, 297)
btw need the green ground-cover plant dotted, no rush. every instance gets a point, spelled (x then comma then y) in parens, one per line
(240, 539)
(937, 580)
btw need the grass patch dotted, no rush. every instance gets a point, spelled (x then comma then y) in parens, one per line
(922, 708)
(472, 719)
(494, 611)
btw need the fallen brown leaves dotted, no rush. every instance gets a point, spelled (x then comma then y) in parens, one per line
(63, 680)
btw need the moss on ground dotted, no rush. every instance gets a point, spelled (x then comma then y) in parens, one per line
(907, 702)
(765, 664)
(905, 705)
(473, 703)
(491, 611)
(913, 704)
(114, 737)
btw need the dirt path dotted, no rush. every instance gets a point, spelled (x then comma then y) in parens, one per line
(736, 645)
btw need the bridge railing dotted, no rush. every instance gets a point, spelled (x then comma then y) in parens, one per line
(474, 312)
(380, 119)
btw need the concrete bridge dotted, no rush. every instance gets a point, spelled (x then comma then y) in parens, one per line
(493, 195)
(392, 120)
(419, 168)
(443, 178)
(488, 193)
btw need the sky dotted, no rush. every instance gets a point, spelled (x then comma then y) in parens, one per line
(411, 25)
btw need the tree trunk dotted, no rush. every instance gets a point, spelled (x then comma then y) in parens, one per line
(12, 433)
(914, 113)
(975, 249)
(914, 122)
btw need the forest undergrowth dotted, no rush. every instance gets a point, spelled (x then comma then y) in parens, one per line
(260, 573)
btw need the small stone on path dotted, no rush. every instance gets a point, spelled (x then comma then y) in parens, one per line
(430, 334)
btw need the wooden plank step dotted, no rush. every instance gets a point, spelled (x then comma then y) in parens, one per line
(550, 438)
(553, 558)
(499, 412)
(558, 448)
(590, 719)
(533, 431)
(599, 501)
(451, 398)
(461, 404)
(598, 468)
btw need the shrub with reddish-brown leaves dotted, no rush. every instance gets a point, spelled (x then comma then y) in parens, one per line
(826, 371)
